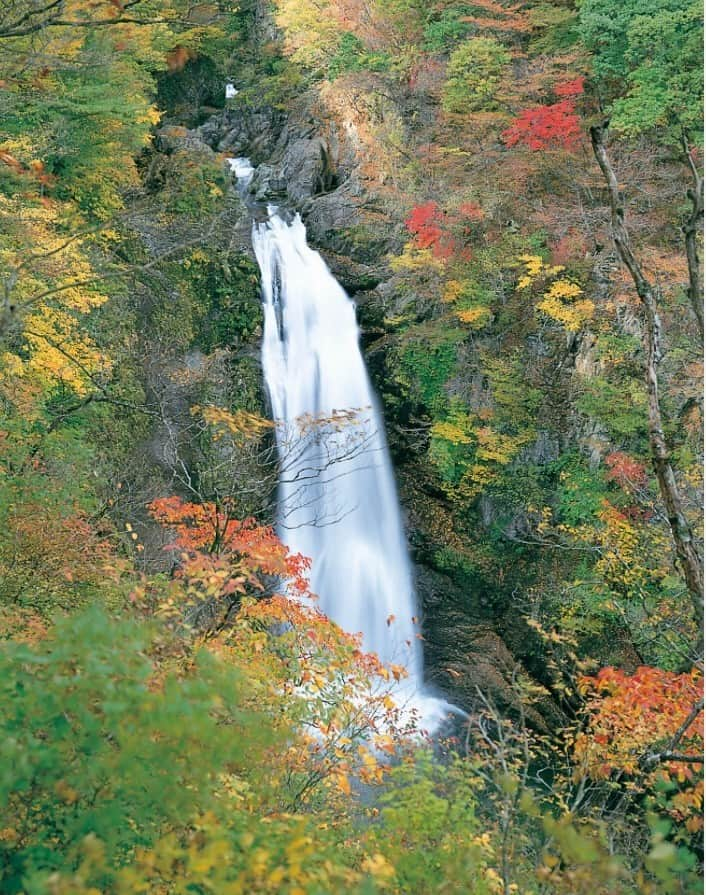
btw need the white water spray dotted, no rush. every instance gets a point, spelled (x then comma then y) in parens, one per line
(338, 501)
(242, 170)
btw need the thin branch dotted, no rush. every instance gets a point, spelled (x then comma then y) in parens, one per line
(649, 761)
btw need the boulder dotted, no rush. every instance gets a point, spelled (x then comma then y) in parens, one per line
(307, 168)
(243, 132)
(179, 139)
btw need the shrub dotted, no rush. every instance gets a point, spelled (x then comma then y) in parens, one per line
(475, 72)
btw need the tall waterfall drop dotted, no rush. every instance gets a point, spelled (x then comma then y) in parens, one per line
(337, 498)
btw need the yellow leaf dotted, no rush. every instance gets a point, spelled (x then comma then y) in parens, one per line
(343, 783)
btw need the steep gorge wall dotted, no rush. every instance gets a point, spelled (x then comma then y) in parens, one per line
(317, 162)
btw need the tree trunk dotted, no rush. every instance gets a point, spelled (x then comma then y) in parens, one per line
(687, 552)
(691, 230)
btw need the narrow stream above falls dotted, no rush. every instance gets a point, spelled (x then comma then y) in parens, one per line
(338, 503)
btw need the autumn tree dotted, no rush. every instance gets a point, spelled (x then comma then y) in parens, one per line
(649, 726)
(661, 92)
(110, 787)
(476, 70)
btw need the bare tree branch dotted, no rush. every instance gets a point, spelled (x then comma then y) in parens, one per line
(41, 16)
(650, 295)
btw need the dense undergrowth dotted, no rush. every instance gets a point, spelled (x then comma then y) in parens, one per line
(170, 723)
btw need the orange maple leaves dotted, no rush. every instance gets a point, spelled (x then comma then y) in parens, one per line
(207, 531)
(651, 714)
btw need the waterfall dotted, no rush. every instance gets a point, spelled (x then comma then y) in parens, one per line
(338, 503)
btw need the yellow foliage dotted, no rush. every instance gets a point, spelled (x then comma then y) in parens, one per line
(379, 868)
(342, 782)
(559, 303)
(60, 351)
(452, 291)
(52, 276)
(450, 432)
(152, 116)
(414, 260)
(474, 317)
(496, 447)
(240, 424)
(474, 480)
(564, 290)
(396, 320)
(573, 317)
(21, 391)
(535, 267)
(311, 31)
(632, 555)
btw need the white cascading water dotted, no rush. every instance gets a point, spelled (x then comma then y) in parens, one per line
(338, 501)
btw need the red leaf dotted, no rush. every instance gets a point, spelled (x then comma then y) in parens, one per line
(545, 127)
(571, 88)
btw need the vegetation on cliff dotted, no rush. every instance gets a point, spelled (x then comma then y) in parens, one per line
(526, 183)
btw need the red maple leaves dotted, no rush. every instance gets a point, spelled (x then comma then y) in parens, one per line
(430, 226)
(545, 127)
(554, 126)
(571, 88)
(625, 470)
(424, 222)
(471, 211)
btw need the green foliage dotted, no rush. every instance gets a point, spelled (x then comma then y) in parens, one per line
(126, 767)
(429, 830)
(555, 28)
(348, 56)
(51, 558)
(91, 748)
(620, 406)
(226, 296)
(581, 490)
(86, 129)
(196, 186)
(352, 55)
(653, 53)
(515, 401)
(216, 305)
(446, 28)
(469, 571)
(475, 72)
(274, 80)
(450, 455)
(427, 359)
